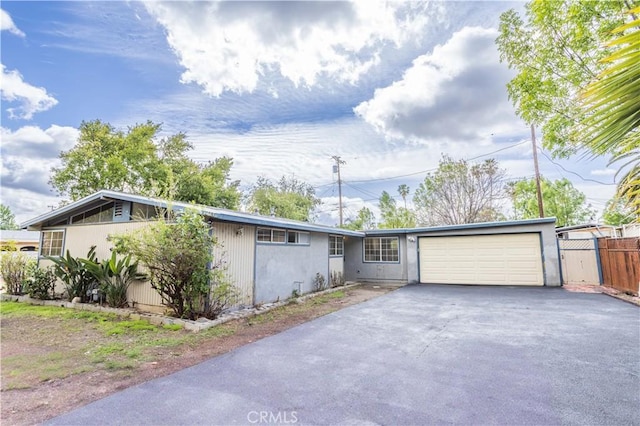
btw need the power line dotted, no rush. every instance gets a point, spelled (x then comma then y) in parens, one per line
(436, 168)
(574, 173)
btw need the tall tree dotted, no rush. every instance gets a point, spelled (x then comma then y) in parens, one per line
(288, 198)
(394, 216)
(365, 219)
(403, 190)
(139, 161)
(612, 121)
(561, 199)
(556, 49)
(7, 218)
(459, 192)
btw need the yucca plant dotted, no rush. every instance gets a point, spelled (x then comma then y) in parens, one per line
(114, 277)
(612, 124)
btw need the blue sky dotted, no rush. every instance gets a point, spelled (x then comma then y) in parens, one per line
(279, 86)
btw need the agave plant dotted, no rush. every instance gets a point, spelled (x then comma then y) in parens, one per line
(611, 101)
(114, 276)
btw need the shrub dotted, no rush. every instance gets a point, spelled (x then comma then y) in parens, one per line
(77, 279)
(319, 282)
(222, 296)
(114, 277)
(337, 279)
(41, 283)
(15, 268)
(178, 256)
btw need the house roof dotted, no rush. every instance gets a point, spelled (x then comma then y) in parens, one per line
(375, 232)
(20, 236)
(584, 226)
(213, 212)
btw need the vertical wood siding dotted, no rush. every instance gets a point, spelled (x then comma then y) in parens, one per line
(79, 239)
(236, 255)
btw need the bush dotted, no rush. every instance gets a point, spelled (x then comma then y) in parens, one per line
(15, 268)
(337, 279)
(222, 296)
(178, 256)
(41, 284)
(77, 279)
(114, 277)
(319, 282)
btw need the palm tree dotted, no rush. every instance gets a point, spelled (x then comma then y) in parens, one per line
(403, 190)
(612, 123)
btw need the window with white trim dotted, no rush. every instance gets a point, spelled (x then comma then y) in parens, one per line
(336, 245)
(280, 236)
(381, 249)
(52, 243)
(269, 235)
(297, 237)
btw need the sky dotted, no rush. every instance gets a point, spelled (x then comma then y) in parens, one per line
(279, 86)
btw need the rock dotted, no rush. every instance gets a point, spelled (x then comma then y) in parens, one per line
(76, 300)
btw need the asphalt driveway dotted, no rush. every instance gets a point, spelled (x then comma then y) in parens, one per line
(418, 355)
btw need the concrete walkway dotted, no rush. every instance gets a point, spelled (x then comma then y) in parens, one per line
(418, 355)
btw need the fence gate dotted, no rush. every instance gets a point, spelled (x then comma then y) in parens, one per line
(580, 261)
(620, 259)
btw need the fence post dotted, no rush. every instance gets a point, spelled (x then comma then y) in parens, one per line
(598, 259)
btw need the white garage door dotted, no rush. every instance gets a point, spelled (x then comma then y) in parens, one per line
(507, 259)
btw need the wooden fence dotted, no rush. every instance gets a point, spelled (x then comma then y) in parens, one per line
(620, 260)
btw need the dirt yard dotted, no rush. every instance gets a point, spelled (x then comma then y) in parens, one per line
(56, 359)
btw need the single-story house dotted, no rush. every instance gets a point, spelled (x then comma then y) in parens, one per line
(266, 258)
(269, 258)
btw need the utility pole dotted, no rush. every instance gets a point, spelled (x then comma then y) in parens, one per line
(336, 169)
(535, 162)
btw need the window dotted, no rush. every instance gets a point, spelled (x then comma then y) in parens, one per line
(381, 249)
(145, 212)
(336, 245)
(99, 214)
(52, 243)
(295, 237)
(269, 235)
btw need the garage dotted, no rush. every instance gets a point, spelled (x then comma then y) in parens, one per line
(496, 259)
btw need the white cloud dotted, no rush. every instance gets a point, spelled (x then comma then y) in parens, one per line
(31, 99)
(455, 93)
(28, 154)
(231, 46)
(6, 24)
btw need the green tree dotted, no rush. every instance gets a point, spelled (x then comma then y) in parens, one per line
(392, 215)
(139, 161)
(288, 198)
(178, 258)
(459, 192)
(617, 212)
(556, 49)
(365, 219)
(7, 219)
(560, 199)
(612, 121)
